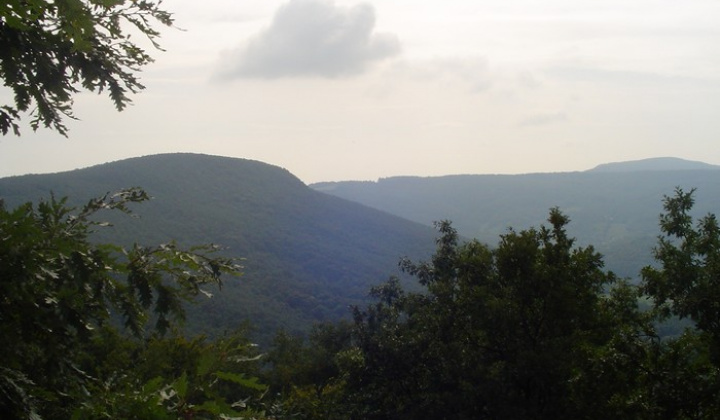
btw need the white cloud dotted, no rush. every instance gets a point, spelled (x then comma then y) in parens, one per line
(312, 38)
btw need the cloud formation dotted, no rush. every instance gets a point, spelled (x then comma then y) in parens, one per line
(312, 38)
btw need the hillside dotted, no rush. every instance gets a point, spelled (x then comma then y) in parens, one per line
(308, 255)
(617, 211)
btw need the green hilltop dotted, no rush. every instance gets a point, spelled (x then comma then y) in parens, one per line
(308, 256)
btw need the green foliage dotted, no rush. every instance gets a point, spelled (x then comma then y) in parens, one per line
(58, 290)
(500, 333)
(687, 368)
(687, 285)
(309, 376)
(177, 377)
(50, 48)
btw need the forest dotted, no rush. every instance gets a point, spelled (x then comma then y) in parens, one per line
(533, 327)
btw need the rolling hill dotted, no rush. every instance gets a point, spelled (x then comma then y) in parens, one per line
(308, 255)
(614, 207)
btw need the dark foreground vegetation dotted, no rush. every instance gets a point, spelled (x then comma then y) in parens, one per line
(533, 328)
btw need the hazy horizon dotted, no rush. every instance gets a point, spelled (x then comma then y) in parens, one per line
(360, 90)
(675, 160)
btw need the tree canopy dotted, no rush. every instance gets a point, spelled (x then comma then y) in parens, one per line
(501, 333)
(50, 50)
(60, 294)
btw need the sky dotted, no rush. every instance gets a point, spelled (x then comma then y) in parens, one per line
(361, 90)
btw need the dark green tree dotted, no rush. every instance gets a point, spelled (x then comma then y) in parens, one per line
(686, 285)
(172, 377)
(49, 50)
(58, 289)
(500, 333)
(308, 374)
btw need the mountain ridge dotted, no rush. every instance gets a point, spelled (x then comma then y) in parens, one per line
(616, 211)
(308, 255)
(639, 165)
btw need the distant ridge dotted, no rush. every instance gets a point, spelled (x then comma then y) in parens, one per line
(654, 164)
(615, 207)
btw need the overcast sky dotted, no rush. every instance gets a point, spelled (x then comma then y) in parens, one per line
(361, 90)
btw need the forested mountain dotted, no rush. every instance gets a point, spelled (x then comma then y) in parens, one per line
(308, 255)
(612, 207)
